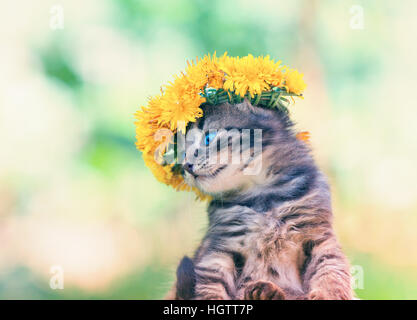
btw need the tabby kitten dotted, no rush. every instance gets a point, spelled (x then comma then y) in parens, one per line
(270, 232)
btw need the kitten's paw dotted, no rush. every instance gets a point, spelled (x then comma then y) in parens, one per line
(210, 297)
(318, 295)
(335, 294)
(263, 290)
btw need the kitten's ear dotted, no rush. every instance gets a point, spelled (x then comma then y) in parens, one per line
(248, 108)
(245, 106)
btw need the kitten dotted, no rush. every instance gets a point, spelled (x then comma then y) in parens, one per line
(270, 232)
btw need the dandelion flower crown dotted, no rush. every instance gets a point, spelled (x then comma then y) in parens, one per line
(209, 81)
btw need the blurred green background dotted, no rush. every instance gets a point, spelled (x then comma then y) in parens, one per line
(74, 191)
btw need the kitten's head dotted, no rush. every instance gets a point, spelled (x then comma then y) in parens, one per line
(235, 148)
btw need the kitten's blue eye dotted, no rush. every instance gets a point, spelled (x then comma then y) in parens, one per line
(209, 137)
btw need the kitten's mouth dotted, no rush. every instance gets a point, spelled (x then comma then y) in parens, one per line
(199, 176)
(209, 175)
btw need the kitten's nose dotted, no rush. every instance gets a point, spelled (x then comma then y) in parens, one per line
(188, 167)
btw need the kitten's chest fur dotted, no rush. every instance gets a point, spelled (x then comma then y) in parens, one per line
(266, 247)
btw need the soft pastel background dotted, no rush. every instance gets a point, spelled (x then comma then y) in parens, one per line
(74, 191)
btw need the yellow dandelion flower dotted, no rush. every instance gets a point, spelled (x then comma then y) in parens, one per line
(250, 74)
(294, 81)
(211, 67)
(271, 71)
(179, 105)
(196, 79)
(147, 123)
